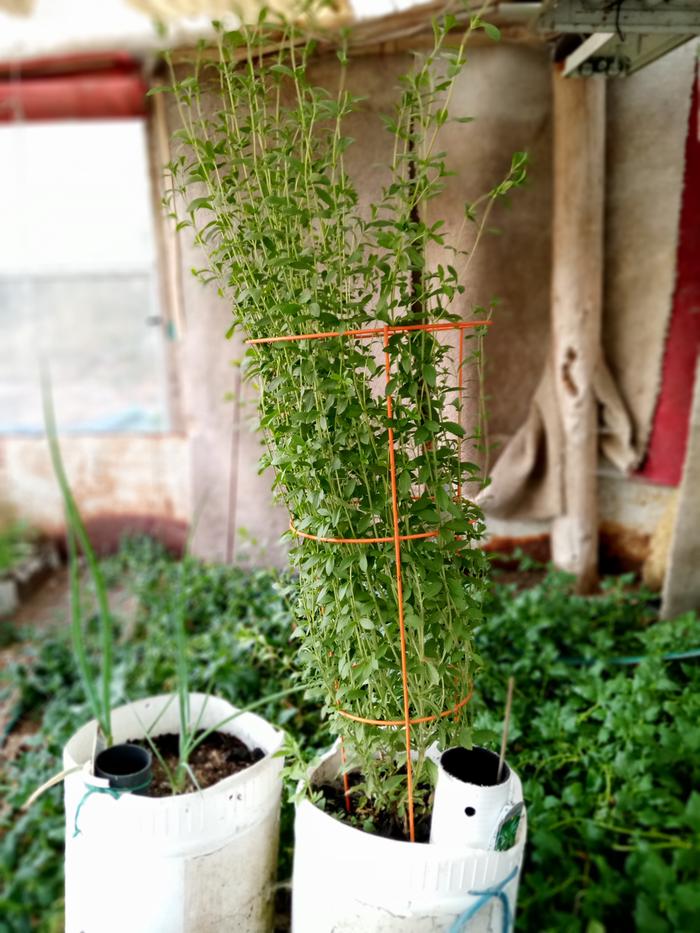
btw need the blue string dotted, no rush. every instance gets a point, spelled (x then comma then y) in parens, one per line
(484, 898)
(114, 792)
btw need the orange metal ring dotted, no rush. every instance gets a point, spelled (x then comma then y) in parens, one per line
(412, 722)
(371, 331)
(389, 540)
(386, 331)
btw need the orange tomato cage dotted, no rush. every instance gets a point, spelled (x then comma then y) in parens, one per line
(406, 722)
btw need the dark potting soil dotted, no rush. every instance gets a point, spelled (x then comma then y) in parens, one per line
(388, 825)
(219, 756)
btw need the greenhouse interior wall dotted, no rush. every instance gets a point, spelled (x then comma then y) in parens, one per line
(200, 472)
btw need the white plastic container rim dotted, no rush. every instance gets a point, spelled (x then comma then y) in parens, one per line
(186, 824)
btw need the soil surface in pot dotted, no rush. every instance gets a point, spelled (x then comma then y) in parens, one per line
(388, 825)
(219, 756)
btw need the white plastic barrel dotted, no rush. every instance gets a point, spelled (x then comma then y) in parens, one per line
(191, 863)
(349, 881)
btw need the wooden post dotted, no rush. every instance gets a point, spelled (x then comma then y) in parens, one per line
(577, 280)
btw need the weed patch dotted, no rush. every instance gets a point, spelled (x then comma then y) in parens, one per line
(605, 733)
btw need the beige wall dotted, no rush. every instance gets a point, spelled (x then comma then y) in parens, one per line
(208, 474)
(119, 482)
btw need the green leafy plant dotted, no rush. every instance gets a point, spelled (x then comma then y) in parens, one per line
(97, 685)
(16, 544)
(279, 220)
(179, 602)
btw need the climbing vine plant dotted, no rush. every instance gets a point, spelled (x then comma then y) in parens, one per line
(261, 173)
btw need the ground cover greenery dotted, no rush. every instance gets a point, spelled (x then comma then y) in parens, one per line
(609, 754)
(609, 751)
(238, 627)
(16, 544)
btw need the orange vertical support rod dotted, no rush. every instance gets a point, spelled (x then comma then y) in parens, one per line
(399, 591)
(460, 365)
(346, 782)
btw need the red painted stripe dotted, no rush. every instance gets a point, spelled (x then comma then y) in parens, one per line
(78, 97)
(64, 65)
(669, 434)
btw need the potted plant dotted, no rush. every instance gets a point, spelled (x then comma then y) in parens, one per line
(360, 403)
(172, 802)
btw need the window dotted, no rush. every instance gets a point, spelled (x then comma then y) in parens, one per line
(78, 283)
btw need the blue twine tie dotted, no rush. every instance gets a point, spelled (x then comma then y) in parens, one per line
(484, 898)
(114, 792)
